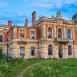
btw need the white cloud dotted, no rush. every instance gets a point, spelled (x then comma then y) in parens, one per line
(25, 0)
(43, 5)
(57, 3)
(20, 13)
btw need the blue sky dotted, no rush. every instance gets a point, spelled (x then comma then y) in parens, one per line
(19, 10)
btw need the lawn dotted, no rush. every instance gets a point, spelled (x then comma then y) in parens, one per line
(15, 66)
(47, 67)
(54, 68)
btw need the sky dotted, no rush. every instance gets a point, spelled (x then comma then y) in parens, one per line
(18, 10)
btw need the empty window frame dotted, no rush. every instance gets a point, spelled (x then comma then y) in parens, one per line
(1, 38)
(49, 33)
(21, 33)
(59, 33)
(22, 51)
(32, 51)
(69, 50)
(0, 52)
(32, 34)
(68, 34)
(50, 50)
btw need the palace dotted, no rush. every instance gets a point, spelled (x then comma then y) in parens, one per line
(52, 37)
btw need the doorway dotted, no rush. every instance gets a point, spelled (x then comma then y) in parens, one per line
(60, 51)
(0, 52)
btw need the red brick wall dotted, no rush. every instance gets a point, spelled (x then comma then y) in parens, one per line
(17, 32)
(40, 31)
(76, 36)
(5, 37)
(36, 34)
(56, 31)
(28, 33)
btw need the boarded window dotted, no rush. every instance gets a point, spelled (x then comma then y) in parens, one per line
(21, 33)
(21, 50)
(1, 38)
(69, 50)
(32, 51)
(59, 33)
(32, 34)
(68, 34)
(49, 33)
(49, 50)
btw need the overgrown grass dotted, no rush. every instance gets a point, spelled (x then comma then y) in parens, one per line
(15, 66)
(54, 68)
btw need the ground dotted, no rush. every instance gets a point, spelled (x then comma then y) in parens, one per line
(38, 68)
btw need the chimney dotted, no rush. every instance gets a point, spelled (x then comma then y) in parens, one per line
(34, 19)
(26, 23)
(9, 22)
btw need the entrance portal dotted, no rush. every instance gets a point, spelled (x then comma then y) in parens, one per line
(60, 51)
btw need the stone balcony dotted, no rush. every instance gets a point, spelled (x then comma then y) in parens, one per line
(61, 40)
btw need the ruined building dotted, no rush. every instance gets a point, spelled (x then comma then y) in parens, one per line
(47, 38)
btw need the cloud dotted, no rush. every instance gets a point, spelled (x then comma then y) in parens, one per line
(43, 5)
(57, 3)
(20, 13)
(25, 0)
(16, 17)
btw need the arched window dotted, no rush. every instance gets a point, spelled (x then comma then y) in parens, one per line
(49, 50)
(49, 33)
(68, 34)
(69, 50)
(59, 33)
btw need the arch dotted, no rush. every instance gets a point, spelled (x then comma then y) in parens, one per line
(49, 32)
(69, 50)
(59, 33)
(50, 50)
(68, 34)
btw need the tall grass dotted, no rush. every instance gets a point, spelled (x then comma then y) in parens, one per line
(54, 68)
(15, 66)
